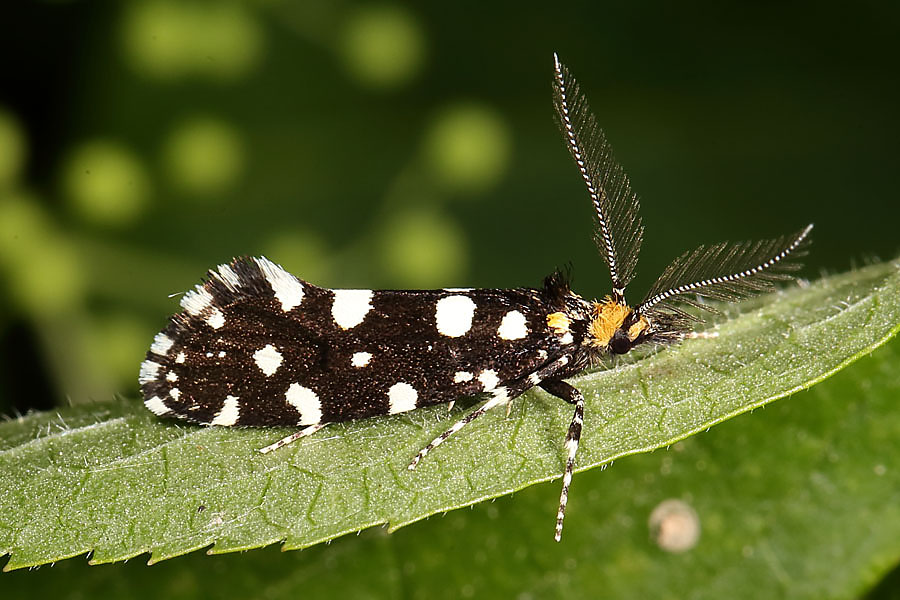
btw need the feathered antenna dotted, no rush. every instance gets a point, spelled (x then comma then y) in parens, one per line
(615, 205)
(726, 271)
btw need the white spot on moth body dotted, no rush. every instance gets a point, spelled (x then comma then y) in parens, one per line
(462, 377)
(453, 315)
(196, 301)
(488, 379)
(306, 402)
(566, 339)
(216, 318)
(287, 289)
(514, 326)
(402, 397)
(360, 359)
(351, 307)
(226, 275)
(161, 344)
(156, 406)
(149, 372)
(268, 359)
(229, 413)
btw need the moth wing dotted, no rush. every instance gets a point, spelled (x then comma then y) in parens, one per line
(256, 346)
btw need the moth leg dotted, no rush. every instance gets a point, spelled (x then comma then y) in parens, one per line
(293, 437)
(563, 390)
(499, 396)
(503, 394)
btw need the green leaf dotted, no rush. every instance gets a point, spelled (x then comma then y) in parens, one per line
(800, 500)
(114, 480)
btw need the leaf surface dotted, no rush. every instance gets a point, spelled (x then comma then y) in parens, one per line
(114, 480)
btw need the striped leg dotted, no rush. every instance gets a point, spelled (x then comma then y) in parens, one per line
(499, 396)
(563, 390)
(293, 437)
(502, 394)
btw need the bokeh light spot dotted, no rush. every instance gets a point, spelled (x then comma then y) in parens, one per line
(22, 225)
(422, 249)
(203, 156)
(167, 40)
(106, 183)
(157, 38)
(13, 148)
(228, 41)
(40, 267)
(674, 525)
(382, 46)
(468, 147)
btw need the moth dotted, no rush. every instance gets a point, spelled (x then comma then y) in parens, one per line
(256, 346)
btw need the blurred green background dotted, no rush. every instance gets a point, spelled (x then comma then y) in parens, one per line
(406, 145)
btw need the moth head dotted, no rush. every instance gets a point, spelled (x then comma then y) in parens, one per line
(615, 327)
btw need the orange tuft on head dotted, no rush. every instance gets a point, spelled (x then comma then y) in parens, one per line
(608, 317)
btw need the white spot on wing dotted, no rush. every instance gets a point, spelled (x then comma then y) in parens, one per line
(360, 359)
(172, 376)
(215, 319)
(229, 413)
(180, 358)
(351, 307)
(488, 379)
(306, 402)
(161, 344)
(149, 372)
(268, 359)
(226, 275)
(453, 315)
(566, 339)
(288, 289)
(402, 397)
(156, 406)
(175, 393)
(196, 301)
(462, 377)
(513, 326)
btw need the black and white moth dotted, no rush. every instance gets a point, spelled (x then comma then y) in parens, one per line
(255, 346)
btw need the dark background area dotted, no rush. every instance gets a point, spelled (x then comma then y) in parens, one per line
(406, 145)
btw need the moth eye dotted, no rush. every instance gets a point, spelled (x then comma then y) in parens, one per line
(619, 344)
